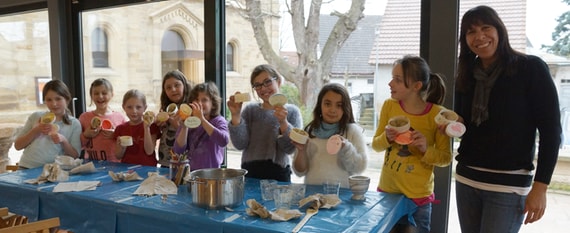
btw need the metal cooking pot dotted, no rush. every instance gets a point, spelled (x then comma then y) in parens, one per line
(216, 188)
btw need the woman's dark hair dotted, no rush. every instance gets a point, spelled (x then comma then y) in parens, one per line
(212, 91)
(347, 116)
(416, 69)
(505, 53)
(61, 89)
(176, 74)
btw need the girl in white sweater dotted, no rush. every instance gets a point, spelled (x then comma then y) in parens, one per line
(331, 116)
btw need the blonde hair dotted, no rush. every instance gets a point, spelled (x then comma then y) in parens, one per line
(134, 93)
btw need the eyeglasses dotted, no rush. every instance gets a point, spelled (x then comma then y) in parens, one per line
(266, 83)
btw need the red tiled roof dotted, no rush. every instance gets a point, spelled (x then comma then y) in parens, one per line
(400, 26)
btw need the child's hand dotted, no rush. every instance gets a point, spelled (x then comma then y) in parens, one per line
(107, 133)
(44, 128)
(441, 128)
(118, 142)
(235, 108)
(57, 138)
(91, 133)
(281, 114)
(197, 110)
(161, 124)
(419, 141)
(390, 133)
(299, 146)
(343, 140)
(175, 121)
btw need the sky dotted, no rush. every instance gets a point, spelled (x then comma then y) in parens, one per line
(541, 17)
(541, 20)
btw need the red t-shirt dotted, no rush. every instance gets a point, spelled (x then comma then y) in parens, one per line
(135, 154)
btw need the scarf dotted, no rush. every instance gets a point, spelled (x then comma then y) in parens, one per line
(325, 130)
(485, 79)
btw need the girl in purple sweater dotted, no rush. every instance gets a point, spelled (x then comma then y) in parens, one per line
(204, 144)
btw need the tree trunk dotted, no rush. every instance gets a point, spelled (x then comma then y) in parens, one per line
(312, 72)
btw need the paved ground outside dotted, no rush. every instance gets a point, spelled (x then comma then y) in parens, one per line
(556, 219)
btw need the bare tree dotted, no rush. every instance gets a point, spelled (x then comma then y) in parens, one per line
(312, 71)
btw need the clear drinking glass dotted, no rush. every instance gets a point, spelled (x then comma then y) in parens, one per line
(267, 187)
(282, 196)
(298, 192)
(331, 187)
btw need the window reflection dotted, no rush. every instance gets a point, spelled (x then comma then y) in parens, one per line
(25, 55)
(229, 57)
(99, 47)
(135, 53)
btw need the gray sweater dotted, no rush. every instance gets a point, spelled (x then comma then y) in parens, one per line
(258, 134)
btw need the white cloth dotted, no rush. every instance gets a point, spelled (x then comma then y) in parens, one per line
(156, 184)
(85, 168)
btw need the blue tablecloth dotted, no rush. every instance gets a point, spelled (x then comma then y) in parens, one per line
(113, 208)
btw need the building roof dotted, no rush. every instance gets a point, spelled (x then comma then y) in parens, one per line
(400, 27)
(357, 47)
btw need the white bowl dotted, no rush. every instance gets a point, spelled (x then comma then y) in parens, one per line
(299, 136)
(446, 116)
(399, 123)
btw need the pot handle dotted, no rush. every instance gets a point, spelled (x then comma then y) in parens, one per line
(195, 181)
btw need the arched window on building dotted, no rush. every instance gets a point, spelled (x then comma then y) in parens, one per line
(172, 51)
(230, 57)
(99, 48)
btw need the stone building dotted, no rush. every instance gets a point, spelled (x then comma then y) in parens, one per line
(132, 52)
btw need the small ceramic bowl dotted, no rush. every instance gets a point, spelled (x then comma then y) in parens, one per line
(184, 111)
(242, 97)
(399, 123)
(299, 136)
(445, 117)
(171, 109)
(359, 186)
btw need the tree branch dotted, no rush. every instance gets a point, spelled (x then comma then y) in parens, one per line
(257, 19)
(345, 25)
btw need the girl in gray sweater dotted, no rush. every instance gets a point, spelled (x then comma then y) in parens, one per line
(262, 130)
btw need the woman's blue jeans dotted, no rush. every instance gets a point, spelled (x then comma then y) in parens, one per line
(483, 211)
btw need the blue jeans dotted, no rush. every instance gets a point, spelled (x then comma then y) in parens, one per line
(489, 212)
(422, 219)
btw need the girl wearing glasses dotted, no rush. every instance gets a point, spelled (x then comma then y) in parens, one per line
(262, 130)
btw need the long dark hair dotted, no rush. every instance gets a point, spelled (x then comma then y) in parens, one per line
(347, 116)
(176, 74)
(505, 53)
(416, 69)
(61, 89)
(212, 91)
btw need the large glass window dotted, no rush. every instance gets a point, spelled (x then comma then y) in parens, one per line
(136, 52)
(25, 66)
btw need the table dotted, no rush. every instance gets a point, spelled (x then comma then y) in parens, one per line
(113, 208)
